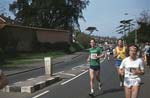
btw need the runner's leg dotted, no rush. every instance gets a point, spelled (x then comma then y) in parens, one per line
(98, 78)
(91, 79)
(127, 92)
(135, 91)
(97, 75)
(121, 78)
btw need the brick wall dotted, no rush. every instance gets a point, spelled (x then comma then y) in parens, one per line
(26, 37)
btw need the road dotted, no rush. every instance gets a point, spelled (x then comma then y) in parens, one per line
(79, 87)
(56, 68)
(75, 82)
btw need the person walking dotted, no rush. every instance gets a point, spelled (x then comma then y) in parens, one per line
(119, 55)
(131, 67)
(147, 53)
(95, 53)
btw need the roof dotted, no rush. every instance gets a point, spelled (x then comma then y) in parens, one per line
(2, 21)
(34, 28)
(4, 24)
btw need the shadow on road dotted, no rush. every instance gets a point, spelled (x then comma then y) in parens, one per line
(109, 91)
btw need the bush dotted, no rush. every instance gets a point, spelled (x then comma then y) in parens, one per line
(1, 56)
(83, 39)
(71, 49)
(60, 46)
(75, 47)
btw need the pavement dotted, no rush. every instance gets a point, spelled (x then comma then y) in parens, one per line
(39, 82)
(40, 64)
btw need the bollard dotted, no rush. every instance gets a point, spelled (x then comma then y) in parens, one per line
(48, 66)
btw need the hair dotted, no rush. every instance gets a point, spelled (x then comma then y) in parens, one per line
(120, 39)
(93, 39)
(133, 45)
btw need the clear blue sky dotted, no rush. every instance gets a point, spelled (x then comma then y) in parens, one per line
(105, 14)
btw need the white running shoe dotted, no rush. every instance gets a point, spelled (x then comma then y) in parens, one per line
(121, 84)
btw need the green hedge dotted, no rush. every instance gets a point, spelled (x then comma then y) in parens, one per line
(1, 56)
(75, 47)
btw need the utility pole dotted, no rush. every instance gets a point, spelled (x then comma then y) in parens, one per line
(135, 40)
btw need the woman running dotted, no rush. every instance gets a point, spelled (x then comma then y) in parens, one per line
(131, 67)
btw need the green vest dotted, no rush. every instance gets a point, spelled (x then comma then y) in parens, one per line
(92, 52)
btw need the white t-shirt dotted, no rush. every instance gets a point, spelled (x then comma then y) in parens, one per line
(130, 65)
(147, 47)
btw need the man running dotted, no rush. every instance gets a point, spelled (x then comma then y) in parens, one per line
(119, 54)
(94, 60)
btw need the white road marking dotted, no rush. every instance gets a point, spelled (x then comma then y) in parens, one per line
(68, 74)
(41, 94)
(18, 82)
(58, 72)
(77, 66)
(30, 78)
(74, 78)
(74, 68)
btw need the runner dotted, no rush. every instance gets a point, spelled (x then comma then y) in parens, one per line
(119, 54)
(108, 53)
(147, 53)
(94, 60)
(131, 67)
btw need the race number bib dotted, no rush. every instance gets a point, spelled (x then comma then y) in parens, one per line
(93, 56)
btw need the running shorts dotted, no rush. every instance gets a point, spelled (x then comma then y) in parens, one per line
(129, 82)
(95, 68)
(118, 62)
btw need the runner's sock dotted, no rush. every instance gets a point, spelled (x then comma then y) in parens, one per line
(92, 90)
(91, 93)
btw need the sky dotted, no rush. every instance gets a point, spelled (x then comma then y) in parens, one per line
(105, 15)
(4, 6)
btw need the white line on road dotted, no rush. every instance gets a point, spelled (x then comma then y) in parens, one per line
(41, 94)
(68, 74)
(77, 66)
(74, 78)
(58, 72)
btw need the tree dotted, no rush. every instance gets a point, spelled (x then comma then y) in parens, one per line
(131, 37)
(91, 29)
(83, 39)
(54, 14)
(141, 34)
(144, 27)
